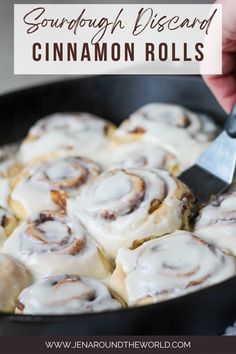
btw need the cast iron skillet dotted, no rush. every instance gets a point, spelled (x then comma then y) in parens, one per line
(206, 312)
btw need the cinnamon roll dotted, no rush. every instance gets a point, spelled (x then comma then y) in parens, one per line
(168, 267)
(14, 277)
(180, 131)
(217, 222)
(141, 154)
(61, 294)
(5, 191)
(71, 133)
(48, 184)
(127, 207)
(9, 167)
(8, 223)
(52, 243)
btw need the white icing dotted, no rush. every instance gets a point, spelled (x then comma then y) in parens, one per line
(217, 224)
(164, 125)
(4, 213)
(70, 122)
(33, 189)
(14, 277)
(4, 192)
(112, 192)
(79, 134)
(171, 266)
(5, 165)
(68, 295)
(105, 191)
(33, 198)
(139, 154)
(52, 256)
(7, 161)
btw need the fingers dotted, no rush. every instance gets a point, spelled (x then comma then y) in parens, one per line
(224, 86)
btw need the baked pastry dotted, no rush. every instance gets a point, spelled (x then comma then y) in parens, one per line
(52, 243)
(217, 222)
(168, 267)
(63, 294)
(70, 133)
(141, 154)
(182, 132)
(5, 191)
(123, 208)
(47, 184)
(8, 223)
(9, 168)
(14, 277)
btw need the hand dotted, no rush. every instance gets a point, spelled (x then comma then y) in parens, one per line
(224, 86)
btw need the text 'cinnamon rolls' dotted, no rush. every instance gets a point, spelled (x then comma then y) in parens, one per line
(63, 294)
(123, 208)
(51, 243)
(168, 267)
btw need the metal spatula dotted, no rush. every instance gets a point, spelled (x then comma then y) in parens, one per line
(214, 169)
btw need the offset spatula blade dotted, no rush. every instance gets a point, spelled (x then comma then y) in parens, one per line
(214, 169)
(202, 183)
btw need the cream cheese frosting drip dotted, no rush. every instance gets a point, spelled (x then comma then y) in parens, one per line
(4, 192)
(172, 266)
(48, 184)
(141, 154)
(217, 222)
(62, 294)
(122, 206)
(7, 224)
(174, 128)
(50, 242)
(81, 133)
(9, 168)
(14, 277)
(8, 164)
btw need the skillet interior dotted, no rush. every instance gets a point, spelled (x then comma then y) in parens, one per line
(114, 97)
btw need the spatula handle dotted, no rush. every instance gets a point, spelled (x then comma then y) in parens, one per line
(230, 124)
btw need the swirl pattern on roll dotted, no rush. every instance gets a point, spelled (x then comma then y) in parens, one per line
(14, 277)
(52, 243)
(48, 184)
(141, 154)
(126, 207)
(180, 131)
(75, 133)
(217, 222)
(167, 267)
(63, 294)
